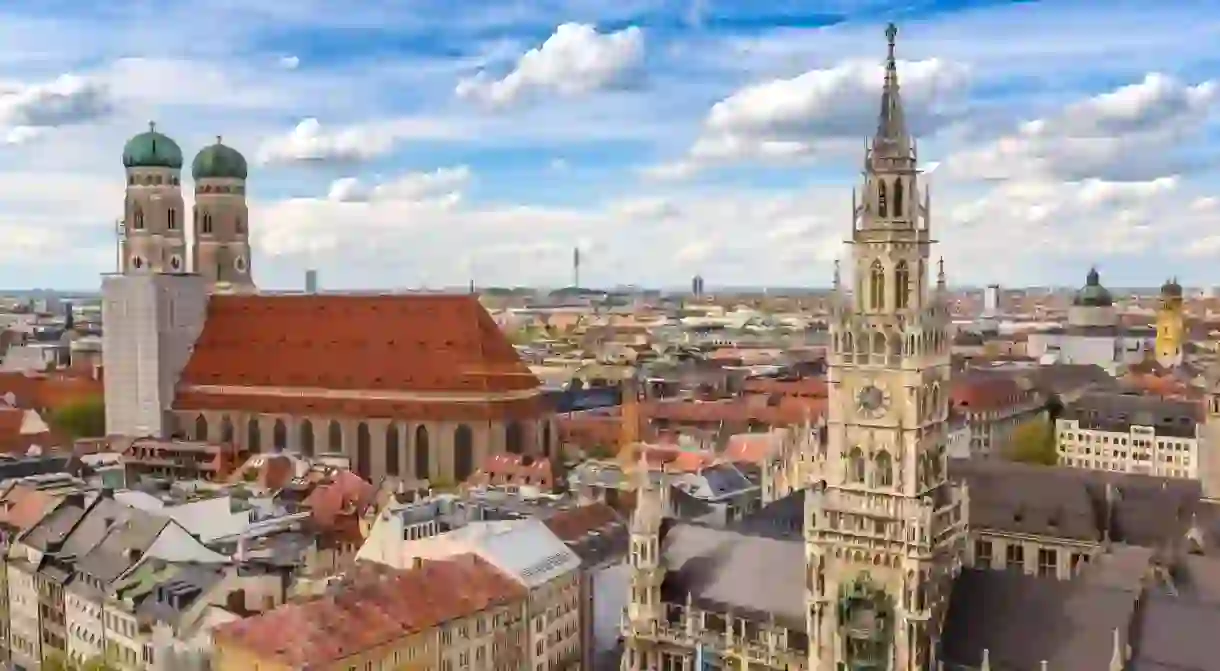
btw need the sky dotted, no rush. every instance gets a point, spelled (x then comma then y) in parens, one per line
(407, 143)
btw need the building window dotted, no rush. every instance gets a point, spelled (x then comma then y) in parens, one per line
(902, 284)
(422, 453)
(898, 197)
(1014, 556)
(335, 439)
(254, 438)
(138, 219)
(306, 438)
(171, 219)
(391, 449)
(279, 436)
(364, 452)
(855, 466)
(882, 205)
(1048, 562)
(885, 469)
(207, 223)
(463, 453)
(876, 286)
(983, 553)
(514, 440)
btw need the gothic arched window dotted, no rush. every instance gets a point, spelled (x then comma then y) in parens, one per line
(422, 453)
(201, 428)
(885, 469)
(882, 206)
(171, 221)
(902, 283)
(876, 286)
(391, 450)
(207, 223)
(138, 219)
(898, 197)
(254, 436)
(335, 437)
(855, 466)
(279, 436)
(463, 453)
(306, 438)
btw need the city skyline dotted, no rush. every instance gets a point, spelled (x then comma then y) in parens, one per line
(422, 145)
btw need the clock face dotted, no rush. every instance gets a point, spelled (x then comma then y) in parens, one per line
(872, 400)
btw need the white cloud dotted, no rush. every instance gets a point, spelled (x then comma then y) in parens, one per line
(290, 62)
(27, 110)
(310, 142)
(1135, 132)
(575, 60)
(819, 111)
(443, 185)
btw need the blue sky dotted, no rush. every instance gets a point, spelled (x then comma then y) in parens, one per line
(405, 142)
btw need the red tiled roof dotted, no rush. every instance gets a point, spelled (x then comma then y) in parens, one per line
(369, 613)
(983, 393)
(13, 441)
(573, 524)
(423, 343)
(49, 390)
(518, 469)
(751, 448)
(810, 386)
(24, 506)
(345, 492)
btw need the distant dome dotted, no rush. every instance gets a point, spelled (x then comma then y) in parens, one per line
(151, 149)
(1093, 294)
(219, 161)
(1171, 289)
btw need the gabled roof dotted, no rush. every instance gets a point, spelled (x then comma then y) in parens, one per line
(417, 343)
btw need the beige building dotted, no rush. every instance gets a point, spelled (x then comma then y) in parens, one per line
(1131, 434)
(524, 549)
(440, 615)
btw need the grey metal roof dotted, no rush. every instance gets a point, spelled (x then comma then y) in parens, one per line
(524, 548)
(1119, 412)
(754, 576)
(125, 542)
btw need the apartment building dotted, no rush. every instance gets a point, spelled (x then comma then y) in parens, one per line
(992, 405)
(522, 548)
(1144, 435)
(445, 615)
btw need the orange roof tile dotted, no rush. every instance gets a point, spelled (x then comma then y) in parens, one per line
(24, 506)
(49, 390)
(574, 524)
(372, 611)
(344, 492)
(422, 343)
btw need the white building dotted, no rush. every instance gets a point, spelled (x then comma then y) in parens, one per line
(1131, 434)
(1093, 335)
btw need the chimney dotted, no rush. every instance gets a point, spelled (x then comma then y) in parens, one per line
(417, 562)
(240, 555)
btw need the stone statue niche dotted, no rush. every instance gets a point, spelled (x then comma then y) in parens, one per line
(866, 617)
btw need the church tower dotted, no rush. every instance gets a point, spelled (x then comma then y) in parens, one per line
(884, 530)
(153, 308)
(1170, 325)
(644, 607)
(153, 231)
(221, 219)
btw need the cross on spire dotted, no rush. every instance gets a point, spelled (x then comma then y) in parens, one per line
(152, 126)
(892, 137)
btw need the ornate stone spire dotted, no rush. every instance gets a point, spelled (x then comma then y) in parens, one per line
(892, 138)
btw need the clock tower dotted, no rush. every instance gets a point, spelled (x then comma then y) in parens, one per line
(884, 531)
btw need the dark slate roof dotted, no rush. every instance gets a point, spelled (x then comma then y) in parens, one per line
(1077, 503)
(754, 576)
(57, 524)
(1119, 412)
(128, 538)
(1022, 620)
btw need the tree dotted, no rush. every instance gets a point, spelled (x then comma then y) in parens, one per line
(1034, 443)
(81, 419)
(61, 662)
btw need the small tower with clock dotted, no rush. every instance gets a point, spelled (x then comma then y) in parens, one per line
(884, 530)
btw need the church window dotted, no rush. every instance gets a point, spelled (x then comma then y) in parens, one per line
(546, 439)
(855, 466)
(175, 262)
(902, 285)
(207, 223)
(240, 264)
(201, 428)
(423, 453)
(306, 438)
(463, 453)
(174, 181)
(240, 226)
(363, 452)
(138, 219)
(335, 437)
(391, 449)
(898, 197)
(514, 440)
(171, 219)
(885, 469)
(876, 286)
(254, 438)
(882, 205)
(279, 436)
(226, 430)
(137, 262)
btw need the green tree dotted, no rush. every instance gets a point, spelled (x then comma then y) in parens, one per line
(1034, 443)
(57, 661)
(81, 419)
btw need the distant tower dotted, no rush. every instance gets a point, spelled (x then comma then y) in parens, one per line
(645, 610)
(991, 300)
(576, 267)
(1170, 325)
(221, 221)
(696, 286)
(153, 233)
(311, 281)
(153, 309)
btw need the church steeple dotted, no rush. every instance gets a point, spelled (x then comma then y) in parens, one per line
(892, 138)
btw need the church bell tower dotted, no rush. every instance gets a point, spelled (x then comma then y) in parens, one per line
(884, 530)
